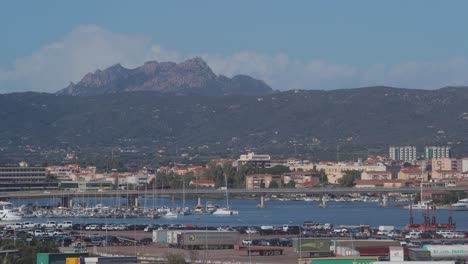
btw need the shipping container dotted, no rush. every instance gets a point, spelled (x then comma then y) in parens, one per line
(419, 254)
(397, 254)
(172, 236)
(160, 236)
(314, 245)
(212, 239)
(347, 252)
(73, 261)
(355, 260)
(57, 258)
(447, 251)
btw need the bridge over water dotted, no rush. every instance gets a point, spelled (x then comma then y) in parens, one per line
(133, 195)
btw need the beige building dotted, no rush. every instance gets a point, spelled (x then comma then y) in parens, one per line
(300, 178)
(412, 174)
(376, 175)
(254, 160)
(445, 164)
(445, 174)
(254, 181)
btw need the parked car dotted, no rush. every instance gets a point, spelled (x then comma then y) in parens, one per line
(30, 225)
(66, 225)
(92, 227)
(15, 226)
(50, 224)
(246, 242)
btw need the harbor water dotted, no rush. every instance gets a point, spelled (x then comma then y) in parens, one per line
(275, 213)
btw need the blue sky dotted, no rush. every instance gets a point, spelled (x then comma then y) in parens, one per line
(289, 44)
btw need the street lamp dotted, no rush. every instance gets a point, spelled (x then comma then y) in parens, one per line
(299, 242)
(250, 242)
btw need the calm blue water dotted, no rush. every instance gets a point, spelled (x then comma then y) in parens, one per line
(278, 213)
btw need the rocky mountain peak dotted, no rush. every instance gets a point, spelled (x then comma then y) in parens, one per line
(192, 76)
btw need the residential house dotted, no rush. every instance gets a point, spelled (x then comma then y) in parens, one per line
(255, 181)
(376, 175)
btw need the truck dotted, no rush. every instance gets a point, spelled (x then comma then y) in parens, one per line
(447, 251)
(159, 236)
(419, 254)
(203, 239)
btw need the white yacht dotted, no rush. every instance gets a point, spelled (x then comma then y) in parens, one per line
(170, 214)
(225, 211)
(7, 213)
(461, 205)
(422, 205)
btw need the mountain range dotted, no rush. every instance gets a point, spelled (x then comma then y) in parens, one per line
(308, 124)
(191, 77)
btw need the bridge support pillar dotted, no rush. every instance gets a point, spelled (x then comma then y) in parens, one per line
(67, 201)
(262, 202)
(132, 201)
(323, 201)
(383, 200)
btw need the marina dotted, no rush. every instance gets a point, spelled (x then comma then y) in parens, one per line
(276, 212)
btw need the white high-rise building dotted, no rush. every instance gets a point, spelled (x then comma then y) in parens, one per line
(404, 153)
(440, 152)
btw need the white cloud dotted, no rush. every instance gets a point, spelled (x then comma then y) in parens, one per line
(90, 47)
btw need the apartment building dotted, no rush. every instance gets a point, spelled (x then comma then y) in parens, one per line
(254, 160)
(437, 152)
(403, 153)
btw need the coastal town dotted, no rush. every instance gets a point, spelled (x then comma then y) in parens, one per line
(87, 210)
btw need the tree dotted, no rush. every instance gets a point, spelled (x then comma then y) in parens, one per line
(348, 179)
(273, 185)
(407, 165)
(323, 176)
(262, 184)
(291, 184)
(276, 170)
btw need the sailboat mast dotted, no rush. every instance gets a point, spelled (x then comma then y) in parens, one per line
(227, 196)
(422, 179)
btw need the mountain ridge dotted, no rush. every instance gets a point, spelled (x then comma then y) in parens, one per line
(308, 123)
(192, 76)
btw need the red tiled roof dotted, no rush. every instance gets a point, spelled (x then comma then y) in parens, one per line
(411, 170)
(309, 183)
(369, 182)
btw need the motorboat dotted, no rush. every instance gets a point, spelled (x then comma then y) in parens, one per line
(225, 211)
(170, 214)
(7, 213)
(422, 205)
(461, 205)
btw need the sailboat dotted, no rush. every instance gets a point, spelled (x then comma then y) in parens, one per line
(226, 210)
(422, 204)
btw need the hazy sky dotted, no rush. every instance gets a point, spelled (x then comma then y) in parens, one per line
(289, 44)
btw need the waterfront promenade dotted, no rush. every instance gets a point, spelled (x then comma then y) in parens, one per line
(211, 192)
